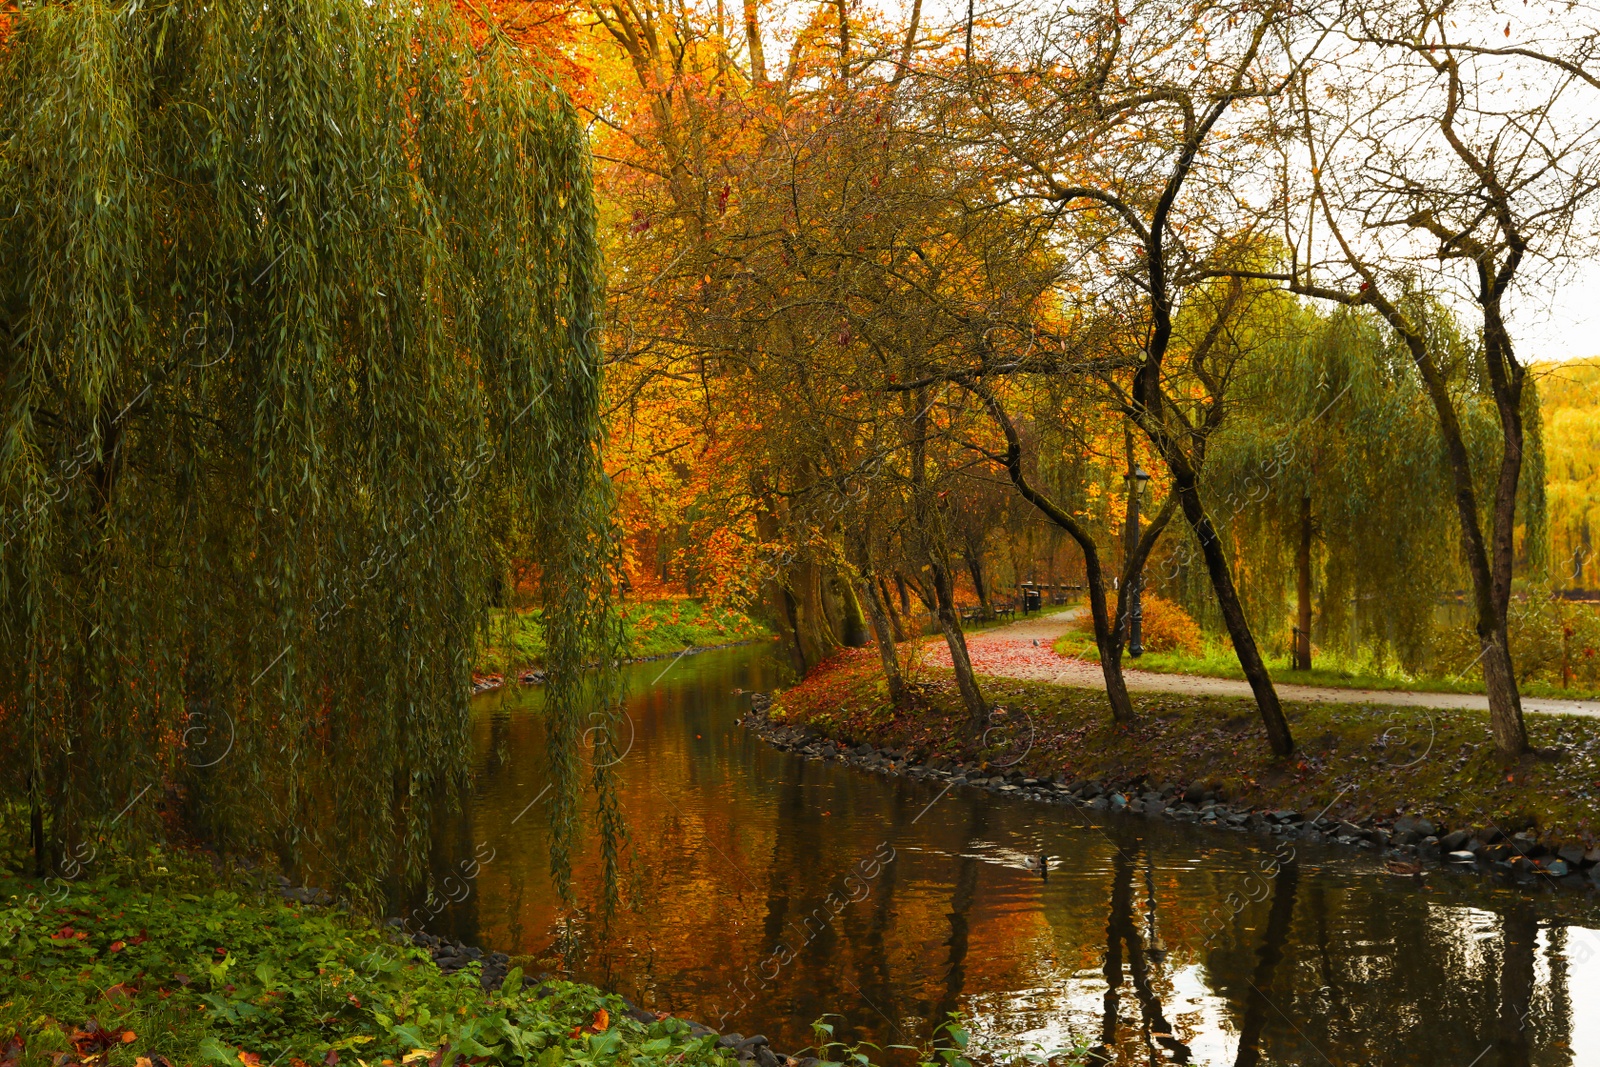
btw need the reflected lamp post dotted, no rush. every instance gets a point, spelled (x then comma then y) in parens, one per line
(1137, 479)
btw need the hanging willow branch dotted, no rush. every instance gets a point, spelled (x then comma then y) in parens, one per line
(298, 317)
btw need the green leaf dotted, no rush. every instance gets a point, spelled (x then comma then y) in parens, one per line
(214, 1051)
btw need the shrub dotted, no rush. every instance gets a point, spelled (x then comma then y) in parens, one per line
(1166, 627)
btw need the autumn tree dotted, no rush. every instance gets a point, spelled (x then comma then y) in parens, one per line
(1443, 153)
(1129, 131)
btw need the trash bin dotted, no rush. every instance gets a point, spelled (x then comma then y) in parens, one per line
(1030, 600)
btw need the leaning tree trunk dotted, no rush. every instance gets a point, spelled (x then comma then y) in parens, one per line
(1105, 639)
(895, 624)
(950, 624)
(884, 635)
(933, 550)
(873, 599)
(1302, 566)
(1244, 642)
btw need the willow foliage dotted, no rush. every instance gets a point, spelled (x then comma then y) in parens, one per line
(1336, 413)
(298, 309)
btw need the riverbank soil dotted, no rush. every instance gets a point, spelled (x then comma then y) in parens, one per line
(1358, 763)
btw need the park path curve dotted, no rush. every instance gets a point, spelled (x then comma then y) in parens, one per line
(1022, 650)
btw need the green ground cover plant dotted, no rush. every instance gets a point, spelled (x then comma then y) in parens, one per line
(161, 961)
(651, 628)
(151, 963)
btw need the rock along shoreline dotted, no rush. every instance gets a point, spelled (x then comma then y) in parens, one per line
(1411, 846)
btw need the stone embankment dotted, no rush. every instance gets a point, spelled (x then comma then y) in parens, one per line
(1410, 845)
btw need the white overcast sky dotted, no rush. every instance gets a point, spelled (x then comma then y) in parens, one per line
(1562, 321)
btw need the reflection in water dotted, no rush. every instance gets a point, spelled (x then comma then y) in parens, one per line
(765, 891)
(1258, 1004)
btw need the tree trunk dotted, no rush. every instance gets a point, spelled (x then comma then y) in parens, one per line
(844, 44)
(935, 553)
(1489, 564)
(905, 593)
(1302, 564)
(854, 630)
(975, 568)
(1105, 640)
(791, 638)
(1505, 702)
(815, 632)
(752, 34)
(1133, 572)
(895, 624)
(939, 592)
(41, 864)
(1244, 643)
(885, 638)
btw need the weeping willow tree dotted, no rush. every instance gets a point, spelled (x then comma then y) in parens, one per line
(298, 309)
(1339, 488)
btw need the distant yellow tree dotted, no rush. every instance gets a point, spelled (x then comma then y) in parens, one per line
(1571, 394)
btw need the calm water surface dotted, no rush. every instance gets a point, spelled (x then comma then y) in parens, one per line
(766, 890)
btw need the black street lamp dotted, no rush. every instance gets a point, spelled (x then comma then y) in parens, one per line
(1137, 479)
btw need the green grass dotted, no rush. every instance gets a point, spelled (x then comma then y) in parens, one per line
(1368, 759)
(654, 628)
(1218, 661)
(150, 963)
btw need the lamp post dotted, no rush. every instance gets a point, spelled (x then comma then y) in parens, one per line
(1137, 479)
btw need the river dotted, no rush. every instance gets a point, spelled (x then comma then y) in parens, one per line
(765, 891)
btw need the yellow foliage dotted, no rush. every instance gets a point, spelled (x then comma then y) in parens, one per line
(1570, 395)
(1168, 628)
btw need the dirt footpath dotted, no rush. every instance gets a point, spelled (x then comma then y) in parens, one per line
(1022, 650)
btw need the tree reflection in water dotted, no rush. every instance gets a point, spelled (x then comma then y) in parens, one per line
(738, 848)
(1122, 931)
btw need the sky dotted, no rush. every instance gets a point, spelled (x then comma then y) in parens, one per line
(1563, 320)
(1554, 313)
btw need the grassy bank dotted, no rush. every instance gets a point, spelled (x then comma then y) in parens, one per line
(1365, 760)
(151, 965)
(654, 628)
(1218, 661)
